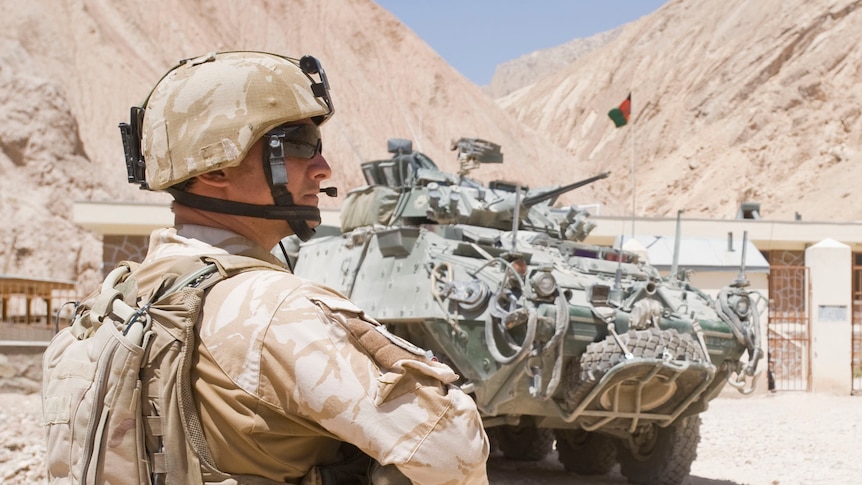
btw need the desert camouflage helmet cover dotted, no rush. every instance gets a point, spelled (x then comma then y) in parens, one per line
(206, 113)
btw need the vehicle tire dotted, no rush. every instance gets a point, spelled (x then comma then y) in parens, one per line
(524, 442)
(600, 357)
(661, 456)
(584, 452)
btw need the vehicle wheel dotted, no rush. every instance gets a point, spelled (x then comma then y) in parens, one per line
(524, 442)
(661, 456)
(600, 357)
(584, 452)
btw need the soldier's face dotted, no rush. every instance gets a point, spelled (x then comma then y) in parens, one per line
(248, 184)
(304, 176)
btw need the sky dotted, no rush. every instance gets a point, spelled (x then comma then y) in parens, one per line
(474, 36)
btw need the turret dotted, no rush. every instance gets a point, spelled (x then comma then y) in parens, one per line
(410, 189)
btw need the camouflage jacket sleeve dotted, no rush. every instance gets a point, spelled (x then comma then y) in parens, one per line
(312, 353)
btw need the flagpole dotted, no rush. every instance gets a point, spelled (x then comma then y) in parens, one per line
(621, 116)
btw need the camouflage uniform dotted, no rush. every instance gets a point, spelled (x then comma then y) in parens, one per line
(284, 376)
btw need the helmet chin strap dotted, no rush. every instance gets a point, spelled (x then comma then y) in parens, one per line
(221, 206)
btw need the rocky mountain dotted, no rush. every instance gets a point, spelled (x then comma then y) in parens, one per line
(732, 101)
(529, 68)
(71, 69)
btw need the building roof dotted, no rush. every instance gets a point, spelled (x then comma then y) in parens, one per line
(702, 254)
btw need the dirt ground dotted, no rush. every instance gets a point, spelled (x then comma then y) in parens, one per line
(776, 439)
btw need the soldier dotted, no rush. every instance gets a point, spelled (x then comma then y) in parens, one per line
(289, 376)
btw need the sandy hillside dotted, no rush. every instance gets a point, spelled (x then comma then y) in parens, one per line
(733, 101)
(70, 71)
(517, 73)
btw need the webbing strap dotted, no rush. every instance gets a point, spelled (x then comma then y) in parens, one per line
(160, 463)
(154, 425)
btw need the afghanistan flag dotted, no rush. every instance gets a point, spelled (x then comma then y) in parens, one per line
(620, 115)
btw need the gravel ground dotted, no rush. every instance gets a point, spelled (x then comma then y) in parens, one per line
(776, 439)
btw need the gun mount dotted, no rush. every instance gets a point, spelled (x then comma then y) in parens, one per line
(553, 337)
(474, 151)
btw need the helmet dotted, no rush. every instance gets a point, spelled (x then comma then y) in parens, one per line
(207, 112)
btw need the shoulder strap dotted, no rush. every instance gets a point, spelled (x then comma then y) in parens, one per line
(232, 264)
(229, 265)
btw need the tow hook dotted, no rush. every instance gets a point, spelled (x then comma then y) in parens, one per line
(745, 379)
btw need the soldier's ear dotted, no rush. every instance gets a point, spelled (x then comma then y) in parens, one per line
(216, 178)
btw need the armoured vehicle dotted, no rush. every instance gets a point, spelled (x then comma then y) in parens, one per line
(553, 338)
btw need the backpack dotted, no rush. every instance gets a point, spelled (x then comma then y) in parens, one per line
(116, 396)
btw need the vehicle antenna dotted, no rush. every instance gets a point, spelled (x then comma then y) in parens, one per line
(741, 280)
(516, 217)
(619, 274)
(676, 244)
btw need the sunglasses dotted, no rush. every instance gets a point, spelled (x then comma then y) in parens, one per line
(298, 141)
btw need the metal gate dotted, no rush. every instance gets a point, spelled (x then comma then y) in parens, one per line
(789, 329)
(856, 331)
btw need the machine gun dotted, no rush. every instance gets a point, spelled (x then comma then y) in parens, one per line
(554, 193)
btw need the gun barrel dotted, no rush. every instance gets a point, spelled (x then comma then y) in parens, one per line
(535, 199)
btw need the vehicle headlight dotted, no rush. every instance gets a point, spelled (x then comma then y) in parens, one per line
(543, 283)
